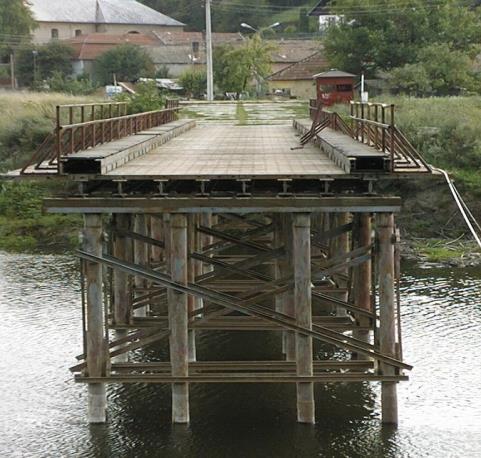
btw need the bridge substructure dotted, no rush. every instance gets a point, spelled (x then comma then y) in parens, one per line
(242, 228)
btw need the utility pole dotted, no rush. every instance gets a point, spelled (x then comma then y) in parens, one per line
(210, 67)
(12, 71)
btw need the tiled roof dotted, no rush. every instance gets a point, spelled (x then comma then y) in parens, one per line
(89, 47)
(291, 51)
(302, 70)
(175, 54)
(99, 12)
(334, 74)
(184, 38)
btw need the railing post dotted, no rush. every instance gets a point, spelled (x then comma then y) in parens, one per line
(58, 132)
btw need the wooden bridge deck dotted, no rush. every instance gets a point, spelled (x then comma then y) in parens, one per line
(230, 152)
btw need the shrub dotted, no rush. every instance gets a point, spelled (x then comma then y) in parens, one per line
(146, 98)
(194, 83)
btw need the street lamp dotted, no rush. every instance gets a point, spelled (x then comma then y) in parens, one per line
(272, 26)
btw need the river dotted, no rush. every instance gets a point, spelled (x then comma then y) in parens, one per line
(43, 412)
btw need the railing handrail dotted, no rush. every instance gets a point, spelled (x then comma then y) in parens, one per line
(92, 104)
(371, 122)
(118, 118)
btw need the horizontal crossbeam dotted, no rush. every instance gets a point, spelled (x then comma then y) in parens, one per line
(335, 204)
(243, 378)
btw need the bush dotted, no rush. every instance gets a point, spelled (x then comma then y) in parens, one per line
(146, 98)
(194, 83)
(82, 85)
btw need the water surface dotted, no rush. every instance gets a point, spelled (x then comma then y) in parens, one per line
(43, 412)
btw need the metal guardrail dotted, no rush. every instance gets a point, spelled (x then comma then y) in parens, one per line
(97, 124)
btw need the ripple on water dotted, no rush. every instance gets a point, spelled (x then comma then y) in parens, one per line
(43, 410)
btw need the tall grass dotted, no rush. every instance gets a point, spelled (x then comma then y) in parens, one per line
(445, 130)
(26, 118)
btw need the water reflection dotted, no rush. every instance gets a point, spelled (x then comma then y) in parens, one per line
(43, 411)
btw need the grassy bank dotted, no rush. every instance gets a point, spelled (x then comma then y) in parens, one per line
(26, 120)
(23, 226)
(447, 132)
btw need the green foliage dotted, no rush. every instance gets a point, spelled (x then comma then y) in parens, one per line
(440, 71)
(23, 227)
(146, 98)
(227, 15)
(236, 67)
(82, 85)
(241, 114)
(15, 19)
(162, 72)
(194, 83)
(386, 34)
(127, 62)
(52, 58)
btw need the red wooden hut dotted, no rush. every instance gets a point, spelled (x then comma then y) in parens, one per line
(335, 86)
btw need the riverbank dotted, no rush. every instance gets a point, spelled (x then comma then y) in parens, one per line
(27, 118)
(429, 221)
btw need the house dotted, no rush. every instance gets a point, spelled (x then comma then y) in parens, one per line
(87, 48)
(180, 51)
(326, 18)
(297, 80)
(64, 19)
(288, 52)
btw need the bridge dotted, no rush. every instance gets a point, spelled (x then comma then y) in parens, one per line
(269, 228)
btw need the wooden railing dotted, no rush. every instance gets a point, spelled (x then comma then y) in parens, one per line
(103, 125)
(372, 124)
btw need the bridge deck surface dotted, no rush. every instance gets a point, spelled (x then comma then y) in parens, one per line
(227, 151)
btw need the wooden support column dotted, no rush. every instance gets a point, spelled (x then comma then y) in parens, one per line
(387, 331)
(178, 318)
(279, 267)
(362, 276)
(287, 298)
(141, 257)
(301, 236)
(95, 338)
(192, 302)
(342, 247)
(157, 233)
(122, 249)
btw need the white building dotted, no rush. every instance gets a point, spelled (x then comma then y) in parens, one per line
(322, 10)
(64, 19)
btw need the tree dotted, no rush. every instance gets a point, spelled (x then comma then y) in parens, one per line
(385, 34)
(127, 62)
(16, 23)
(440, 71)
(194, 83)
(52, 58)
(236, 67)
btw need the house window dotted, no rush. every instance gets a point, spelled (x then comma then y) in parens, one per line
(54, 34)
(195, 48)
(78, 32)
